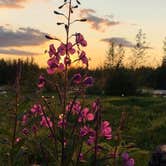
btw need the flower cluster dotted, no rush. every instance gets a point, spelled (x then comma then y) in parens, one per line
(41, 82)
(85, 115)
(105, 131)
(79, 80)
(36, 112)
(61, 57)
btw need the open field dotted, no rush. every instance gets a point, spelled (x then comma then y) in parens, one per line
(145, 127)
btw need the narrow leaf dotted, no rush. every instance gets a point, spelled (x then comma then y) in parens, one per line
(60, 7)
(83, 20)
(66, 27)
(60, 23)
(75, 6)
(55, 12)
(51, 37)
(78, 2)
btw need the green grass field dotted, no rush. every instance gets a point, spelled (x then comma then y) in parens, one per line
(145, 127)
(146, 122)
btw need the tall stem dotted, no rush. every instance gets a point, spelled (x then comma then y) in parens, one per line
(65, 83)
(118, 135)
(50, 128)
(17, 92)
(98, 120)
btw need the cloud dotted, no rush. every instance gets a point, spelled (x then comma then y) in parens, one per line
(21, 37)
(123, 42)
(87, 11)
(17, 52)
(119, 41)
(11, 3)
(96, 22)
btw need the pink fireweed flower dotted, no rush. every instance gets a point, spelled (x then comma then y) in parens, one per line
(50, 70)
(62, 49)
(67, 61)
(77, 78)
(91, 140)
(106, 130)
(53, 64)
(18, 139)
(125, 156)
(80, 40)
(41, 82)
(127, 161)
(46, 122)
(24, 119)
(70, 48)
(130, 162)
(61, 67)
(86, 115)
(83, 58)
(94, 106)
(81, 157)
(88, 81)
(68, 106)
(92, 137)
(61, 122)
(37, 109)
(84, 131)
(85, 112)
(52, 50)
(90, 117)
(34, 129)
(74, 107)
(25, 131)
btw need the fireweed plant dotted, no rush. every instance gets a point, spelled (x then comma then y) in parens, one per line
(65, 130)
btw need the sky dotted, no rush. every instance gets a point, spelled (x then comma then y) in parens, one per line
(24, 23)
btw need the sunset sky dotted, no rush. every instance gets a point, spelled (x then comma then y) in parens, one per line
(23, 24)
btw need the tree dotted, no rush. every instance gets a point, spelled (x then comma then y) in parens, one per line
(164, 50)
(139, 50)
(115, 56)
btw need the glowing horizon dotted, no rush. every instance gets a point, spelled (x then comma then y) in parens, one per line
(107, 19)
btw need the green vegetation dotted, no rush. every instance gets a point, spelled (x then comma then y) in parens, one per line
(144, 129)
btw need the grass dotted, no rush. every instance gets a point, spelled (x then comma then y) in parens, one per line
(145, 127)
(146, 123)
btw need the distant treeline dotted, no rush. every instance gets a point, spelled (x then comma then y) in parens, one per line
(28, 69)
(108, 81)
